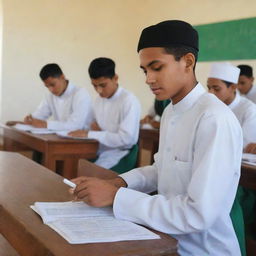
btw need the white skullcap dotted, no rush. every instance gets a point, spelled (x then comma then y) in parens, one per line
(225, 71)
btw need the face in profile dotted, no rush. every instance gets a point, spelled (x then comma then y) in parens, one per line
(105, 86)
(56, 85)
(245, 84)
(165, 76)
(220, 89)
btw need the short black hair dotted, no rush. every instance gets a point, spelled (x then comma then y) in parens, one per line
(102, 67)
(245, 70)
(50, 70)
(178, 51)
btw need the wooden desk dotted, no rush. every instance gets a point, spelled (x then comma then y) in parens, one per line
(22, 182)
(248, 180)
(53, 148)
(149, 140)
(248, 176)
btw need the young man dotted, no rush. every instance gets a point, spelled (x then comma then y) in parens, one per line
(245, 82)
(69, 105)
(197, 167)
(222, 82)
(116, 113)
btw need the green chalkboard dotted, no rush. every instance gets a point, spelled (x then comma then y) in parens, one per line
(230, 40)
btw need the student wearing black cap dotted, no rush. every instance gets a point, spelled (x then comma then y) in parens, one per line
(245, 82)
(197, 167)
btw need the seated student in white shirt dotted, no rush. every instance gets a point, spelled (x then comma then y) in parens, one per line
(197, 168)
(116, 113)
(70, 106)
(245, 82)
(222, 81)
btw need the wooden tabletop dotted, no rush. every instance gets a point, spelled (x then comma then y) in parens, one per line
(53, 148)
(23, 182)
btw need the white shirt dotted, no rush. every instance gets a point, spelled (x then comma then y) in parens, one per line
(152, 112)
(71, 111)
(251, 95)
(196, 173)
(245, 111)
(118, 118)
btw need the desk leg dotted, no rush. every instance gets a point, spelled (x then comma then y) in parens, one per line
(70, 168)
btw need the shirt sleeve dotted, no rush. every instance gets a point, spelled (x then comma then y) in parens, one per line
(142, 179)
(215, 172)
(128, 131)
(151, 111)
(248, 126)
(43, 111)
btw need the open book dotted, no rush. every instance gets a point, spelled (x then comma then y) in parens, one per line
(80, 223)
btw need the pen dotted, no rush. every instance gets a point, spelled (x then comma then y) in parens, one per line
(70, 183)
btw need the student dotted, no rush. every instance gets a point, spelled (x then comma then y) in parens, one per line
(116, 113)
(197, 167)
(70, 106)
(245, 82)
(155, 113)
(222, 81)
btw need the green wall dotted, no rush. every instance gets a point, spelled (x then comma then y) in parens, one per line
(230, 40)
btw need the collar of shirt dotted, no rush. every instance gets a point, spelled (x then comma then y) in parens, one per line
(252, 91)
(116, 94)
(68, 90)
(235, 102)
(189, 100)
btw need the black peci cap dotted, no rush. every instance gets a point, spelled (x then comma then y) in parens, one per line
(169, 33)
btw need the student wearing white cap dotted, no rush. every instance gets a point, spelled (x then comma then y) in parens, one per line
(222, 81)
(197, 167)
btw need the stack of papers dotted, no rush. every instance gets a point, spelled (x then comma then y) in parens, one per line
(249, 159)
(80, 223)
(147, 126)
(32, 129)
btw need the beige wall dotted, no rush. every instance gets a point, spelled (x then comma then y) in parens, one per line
(73, 32)
(1, 44)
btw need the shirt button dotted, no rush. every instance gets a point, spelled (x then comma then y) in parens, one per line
(168, 149)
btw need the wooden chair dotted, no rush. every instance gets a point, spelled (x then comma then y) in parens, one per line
(86, 168)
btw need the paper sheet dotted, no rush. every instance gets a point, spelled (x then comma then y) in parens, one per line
(32, 129)
(64, 134)
(249, 157)
(51, 211)
(80, 223)
(100, 229)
